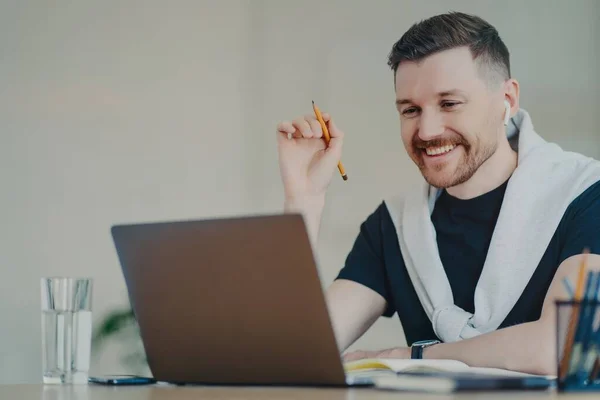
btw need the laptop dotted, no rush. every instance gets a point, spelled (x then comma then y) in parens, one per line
(230, 301)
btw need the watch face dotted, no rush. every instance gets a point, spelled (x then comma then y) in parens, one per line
(425, 342)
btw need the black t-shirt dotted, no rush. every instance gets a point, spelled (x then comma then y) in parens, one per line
(464, 231)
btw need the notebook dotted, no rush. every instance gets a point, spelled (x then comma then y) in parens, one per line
(374, 367)
(440, 376)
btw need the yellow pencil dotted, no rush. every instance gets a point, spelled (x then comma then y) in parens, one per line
(564, 365)
(327, 137)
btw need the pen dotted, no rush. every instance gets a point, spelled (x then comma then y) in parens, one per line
(327, 137)
(568, 287)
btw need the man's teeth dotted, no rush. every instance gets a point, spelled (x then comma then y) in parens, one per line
(434, 151)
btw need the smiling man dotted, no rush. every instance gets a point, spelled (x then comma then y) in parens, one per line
(473, 260)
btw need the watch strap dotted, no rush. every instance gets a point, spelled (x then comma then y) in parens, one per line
(416, 352)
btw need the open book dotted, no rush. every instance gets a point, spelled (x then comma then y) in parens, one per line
(393, 366)
(442, 376)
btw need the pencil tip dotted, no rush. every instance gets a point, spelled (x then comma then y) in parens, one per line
(313, 102)
(345, 177)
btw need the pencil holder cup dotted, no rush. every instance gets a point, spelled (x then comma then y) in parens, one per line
(578, 345)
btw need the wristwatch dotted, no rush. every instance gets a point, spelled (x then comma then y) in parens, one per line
(416, 350)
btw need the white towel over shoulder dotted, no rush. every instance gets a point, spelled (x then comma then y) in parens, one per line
(545, 182)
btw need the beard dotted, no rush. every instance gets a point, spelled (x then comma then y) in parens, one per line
(442, 175)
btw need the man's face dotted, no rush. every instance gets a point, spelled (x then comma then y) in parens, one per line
(448, 116)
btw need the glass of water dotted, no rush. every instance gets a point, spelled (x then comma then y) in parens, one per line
(66, 329)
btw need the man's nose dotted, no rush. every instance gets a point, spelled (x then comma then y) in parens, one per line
(431, 125)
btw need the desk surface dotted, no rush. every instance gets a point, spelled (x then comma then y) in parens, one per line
(93, 392)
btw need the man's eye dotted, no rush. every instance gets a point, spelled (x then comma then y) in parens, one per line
(409, 111)
(449, 104)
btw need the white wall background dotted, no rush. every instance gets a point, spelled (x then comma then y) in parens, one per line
(113, 112)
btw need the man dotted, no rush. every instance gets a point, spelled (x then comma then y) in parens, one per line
(473, 261)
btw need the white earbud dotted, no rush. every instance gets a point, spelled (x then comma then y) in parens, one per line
(507, 112)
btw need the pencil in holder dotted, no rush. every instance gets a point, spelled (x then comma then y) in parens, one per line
(578, 345)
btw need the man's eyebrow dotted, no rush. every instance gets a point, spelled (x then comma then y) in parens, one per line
(450, 92)
(403, 101)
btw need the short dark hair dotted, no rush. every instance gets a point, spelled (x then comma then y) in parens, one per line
(452, 30)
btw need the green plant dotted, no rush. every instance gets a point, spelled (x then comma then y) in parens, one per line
(121, 326)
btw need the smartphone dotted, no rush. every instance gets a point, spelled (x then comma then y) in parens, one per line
(121, 380)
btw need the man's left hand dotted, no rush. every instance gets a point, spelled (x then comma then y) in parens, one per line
(396, 352)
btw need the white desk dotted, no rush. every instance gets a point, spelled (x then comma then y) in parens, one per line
(93, 392)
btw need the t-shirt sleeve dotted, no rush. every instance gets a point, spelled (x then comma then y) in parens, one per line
(365, 262)
(583, 227)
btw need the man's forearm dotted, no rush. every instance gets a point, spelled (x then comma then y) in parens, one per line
(527, 347)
